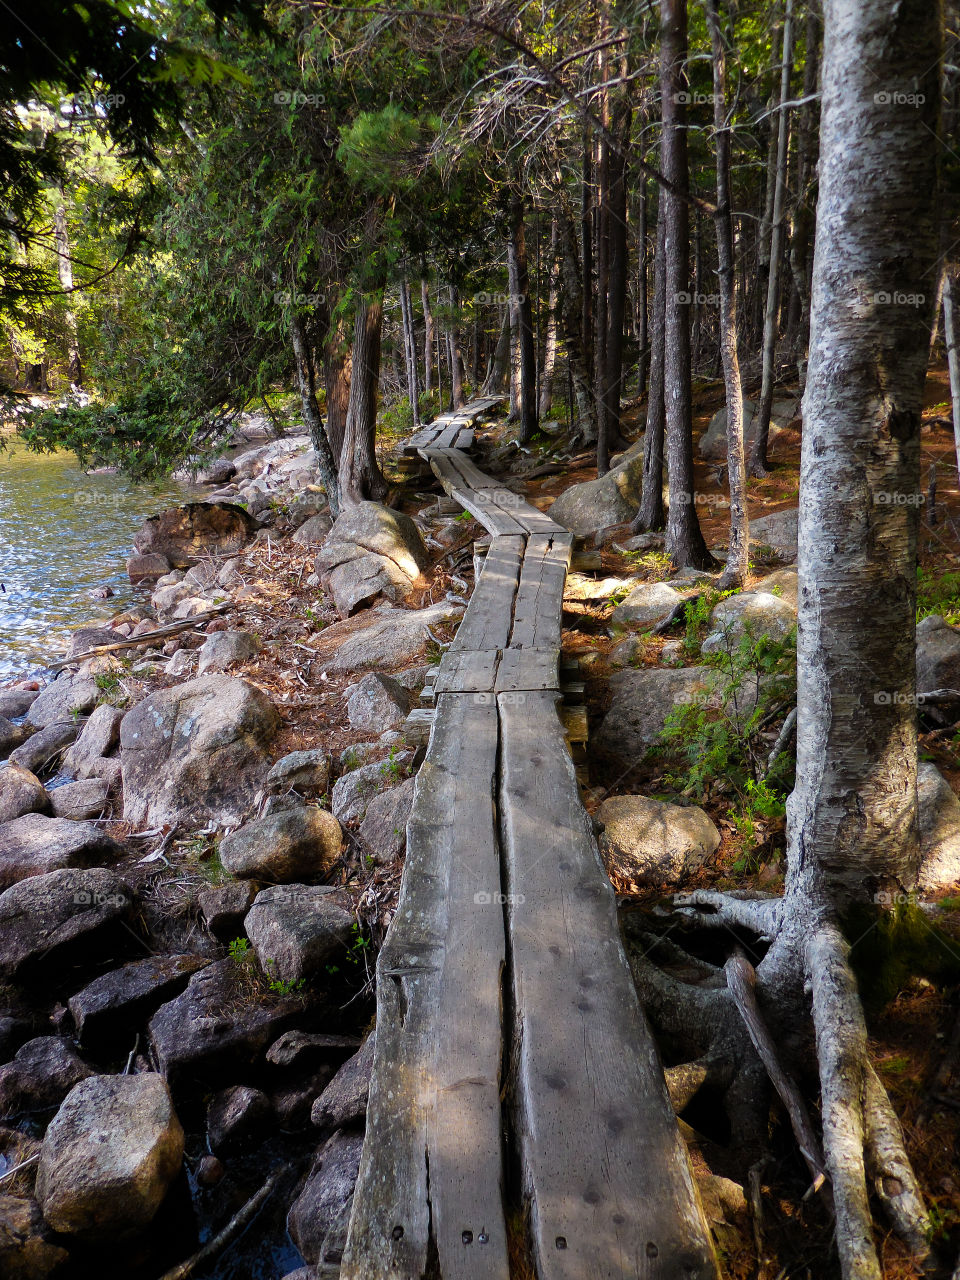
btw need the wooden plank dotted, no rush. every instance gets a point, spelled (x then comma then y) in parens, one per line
(526, 669)
(467, 671)
(536, 620)
(431, 1171)
(611, 1193)
(486, 624)
(464, 439)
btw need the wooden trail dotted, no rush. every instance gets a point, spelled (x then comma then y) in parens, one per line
(517, 1107)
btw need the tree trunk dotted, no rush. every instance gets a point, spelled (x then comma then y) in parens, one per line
(307, 382)
(651, 514)
(758, 452)
(643, 356)
(427, 338)
(617, 268)
(360, 475)
(953, 359)
(337, 367)
(495, 382)
(549, 355)
(684, 540)
(522, 310)
(410, 352)
(586, 236)
(454, 358)
(65, 275)
(571, 310)
(735, 572)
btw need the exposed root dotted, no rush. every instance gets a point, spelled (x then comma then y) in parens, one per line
(709, 1011)
(761, 916)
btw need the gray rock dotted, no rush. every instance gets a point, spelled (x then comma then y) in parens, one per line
(370, 551)
(377, 702)
(98, 738)
(42, 918)
(28, 1249)
(217, 1024)
(297, 842)
(764, 614)
(628, 652)
(15, 703)
(219, 471)
(80, 800)
(20, 792)
(35, 844)
(223, 906)
(642, 700)
(42, 748)
(938, 655)
(384, 828)
(713, 442)
(295, 1048)
(91, 638)
(147, 568)
(344, 1100)
(782, 582)
(587, 587)
(109, 1157)
(394, 638)
(939, 830)
(196, 751)
(11, 736)
(229, 575)
(185, 534)
(302, 771)
(224, 648)
(113, 1004)
(319, 1217)
(63, 698)
(40, 1076)
(237, 1116)
(183, 663)
(296, 929)
(778, 532)
(641, 542)
(647, 604)
(597, 504)
(353, 791)
(312, 531)
(650, 842)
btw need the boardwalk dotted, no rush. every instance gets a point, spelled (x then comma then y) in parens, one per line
(517, 1108)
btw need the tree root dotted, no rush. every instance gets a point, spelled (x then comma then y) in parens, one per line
(863, 1147)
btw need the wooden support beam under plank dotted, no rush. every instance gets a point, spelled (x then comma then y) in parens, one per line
(611, 1192)
(429, 1194)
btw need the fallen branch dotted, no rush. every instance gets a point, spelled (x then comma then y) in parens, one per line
(148, 637)
(741, 981)
(233, 1228)
(783, 738)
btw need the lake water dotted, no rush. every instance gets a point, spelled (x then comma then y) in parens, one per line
(63, 533)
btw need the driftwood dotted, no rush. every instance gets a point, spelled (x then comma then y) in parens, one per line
(233, 1228)
(149, 637)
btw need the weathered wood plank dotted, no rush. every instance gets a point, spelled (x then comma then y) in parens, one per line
(537, 612)
(431, 1172)
(611, 1193)
(523, 669)
(486, 624)
(467, 671)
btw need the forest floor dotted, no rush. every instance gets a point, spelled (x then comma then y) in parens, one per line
(915, 1037)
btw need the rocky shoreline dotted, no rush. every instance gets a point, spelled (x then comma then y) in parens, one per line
(202, 829)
